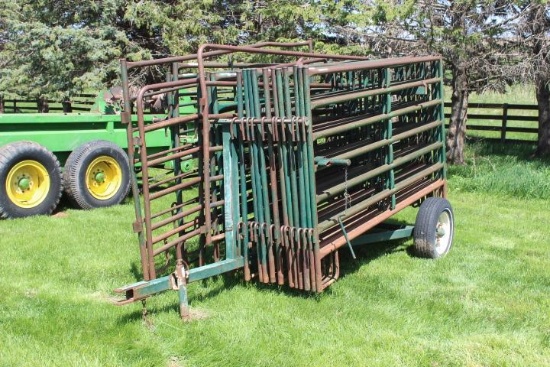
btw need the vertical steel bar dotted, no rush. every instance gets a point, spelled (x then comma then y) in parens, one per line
(387, 109)
(275, 243)
(313, 236)
(127, 113)
(291, 137)
(282, 250)
(254, 166)
(230, 197)
(145, 184)
(301, 160)
(206, 239)
(173, 103)
(439, 87)
(285, 152)
(263, 175)
(239, 141)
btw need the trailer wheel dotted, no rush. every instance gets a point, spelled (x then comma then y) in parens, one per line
(96, 175)
(434, 228)
(30, 180)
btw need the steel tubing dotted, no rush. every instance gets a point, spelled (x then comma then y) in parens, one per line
(378, 197)
(329, 248)
(338, 189)
(377, 118)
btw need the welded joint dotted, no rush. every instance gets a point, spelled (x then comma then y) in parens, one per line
(126, 117)
(137, 226)
(327, 162)
(180, 276)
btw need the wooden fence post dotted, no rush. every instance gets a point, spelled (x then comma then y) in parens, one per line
(504, 122)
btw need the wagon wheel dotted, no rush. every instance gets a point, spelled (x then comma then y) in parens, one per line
(434, 228)
(97, 174)
(30, 180)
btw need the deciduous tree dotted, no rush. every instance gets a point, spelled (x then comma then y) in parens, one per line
(472, 36)
(534, 32)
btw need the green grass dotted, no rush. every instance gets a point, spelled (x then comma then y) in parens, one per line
(485, 304)
(503, 170)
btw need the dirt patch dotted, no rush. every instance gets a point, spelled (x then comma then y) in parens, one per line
(197, 314)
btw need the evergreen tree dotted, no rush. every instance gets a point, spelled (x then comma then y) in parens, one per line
(58, 48)
(53, 49)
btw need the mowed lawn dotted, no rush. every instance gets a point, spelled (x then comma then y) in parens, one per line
(486, 304)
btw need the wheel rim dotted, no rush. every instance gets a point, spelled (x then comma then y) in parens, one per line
(27, 184)
(443, 232)
(103, 177)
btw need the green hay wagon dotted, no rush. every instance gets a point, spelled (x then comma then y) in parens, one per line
(78, 148)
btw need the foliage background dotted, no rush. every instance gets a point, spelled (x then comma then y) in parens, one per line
(56, 48)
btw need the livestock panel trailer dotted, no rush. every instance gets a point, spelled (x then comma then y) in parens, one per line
(298, 155)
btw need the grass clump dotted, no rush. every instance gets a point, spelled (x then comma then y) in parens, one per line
(502, 169)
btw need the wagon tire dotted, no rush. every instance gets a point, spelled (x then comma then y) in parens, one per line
(434, 228)
(30, 180)
(96, 175)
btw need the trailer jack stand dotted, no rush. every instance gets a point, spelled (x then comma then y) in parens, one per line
(144, 309)
(180, 281)
(184, 303)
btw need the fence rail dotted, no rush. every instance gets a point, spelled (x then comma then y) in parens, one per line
(80, 103)
(481, 120)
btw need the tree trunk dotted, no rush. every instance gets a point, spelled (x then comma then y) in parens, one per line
(540, 26)
(459, 115)
(42, 105)
(543, 99)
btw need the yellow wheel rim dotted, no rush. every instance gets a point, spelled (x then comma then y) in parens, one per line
(28, 184)
(103, 177)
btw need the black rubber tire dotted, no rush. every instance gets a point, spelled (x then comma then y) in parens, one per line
(78, 163)
(434, 213)
(38, 156)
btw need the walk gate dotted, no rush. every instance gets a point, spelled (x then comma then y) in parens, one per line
(296, 156)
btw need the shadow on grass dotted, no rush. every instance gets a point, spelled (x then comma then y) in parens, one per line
(63, 206)
(369, 253)
(212, 287)
(348, 265)
(522, 150)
